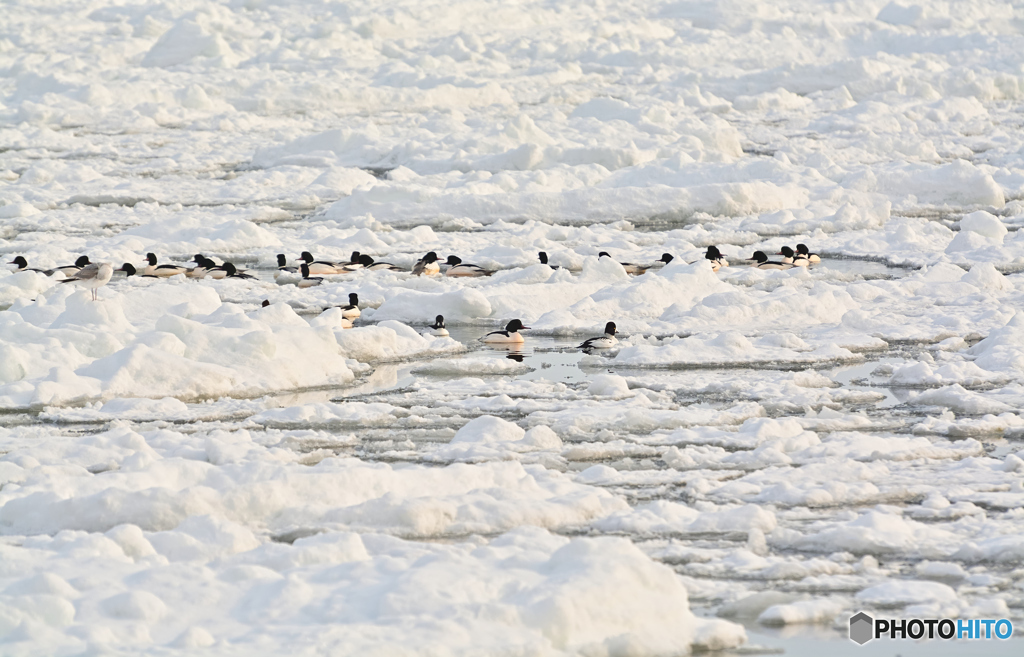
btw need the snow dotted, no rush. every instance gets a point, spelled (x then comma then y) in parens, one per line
(183, 469)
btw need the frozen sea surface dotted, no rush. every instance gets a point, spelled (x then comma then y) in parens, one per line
(185, 471)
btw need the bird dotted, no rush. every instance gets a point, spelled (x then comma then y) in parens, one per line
(351, 311)
(791, 258)
(628, 266)
(457, 269)
(369, 263)
(162, 271)
(129, 270)
(509, 335)
(438, 327)
(543, 256)
(763, 263)
(203, 266)
(232, 272)
(22, 265)
(716, 258)
(92, 277)
(811, 257)
(606, 341)
(354, 259)
(71, 270)
(320, 267)
(426, 265)
(266, 302)
(663, 260)
(307, 280)
(283, 267)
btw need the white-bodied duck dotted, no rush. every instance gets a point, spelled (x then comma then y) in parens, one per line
(510, 335)
(162, 271)
(438, 328)
(811, 257)
(761, 261)
(630, 268)
(427, 265)
(606, 341)
(458, 269)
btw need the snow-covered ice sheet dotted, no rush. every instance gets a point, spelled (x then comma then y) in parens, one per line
(184, 468)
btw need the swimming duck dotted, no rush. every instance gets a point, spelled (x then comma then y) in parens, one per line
(811, 257)
(92, 277)
(162, 271)
(543, 256)
(320, 267)
(791, 258)
(307, 280)
(369, 263)
(232, 272)
(457, 269)
(22, 265)
(351, 311)
(716, 258)
(129, 270)
(664, 260)
(426, 265)
(509, 335)
(438, 327)
(763, 263)
(355, 259)
(606, 341)
(630, 268)
(283, 267)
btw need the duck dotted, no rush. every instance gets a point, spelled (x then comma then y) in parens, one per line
(71, 270)
(355, 259)
(232, 272)
(307, 280)
(630, 268)
(92, 277)
(283, 267)
(510, 335)
(791, 258)
(320, 267)
(129, 270)
(456, 269)
(426, 265)
(543, 256)
(266, 302)
(763, 263)
(203, 266)
(664, 260)
(22, 265)
(811, 257)
(369, 263)
(437, 328)
(351, 311)
(606, 341)
(162, 271)
(716, 258)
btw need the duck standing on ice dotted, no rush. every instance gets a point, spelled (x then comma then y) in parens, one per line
(510, 335)
(606, 341)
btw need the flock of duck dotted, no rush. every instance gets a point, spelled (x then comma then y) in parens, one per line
(310, 272)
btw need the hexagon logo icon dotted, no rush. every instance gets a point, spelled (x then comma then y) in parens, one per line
(862, 628)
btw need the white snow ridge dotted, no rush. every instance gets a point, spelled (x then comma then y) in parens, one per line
(224, 455)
